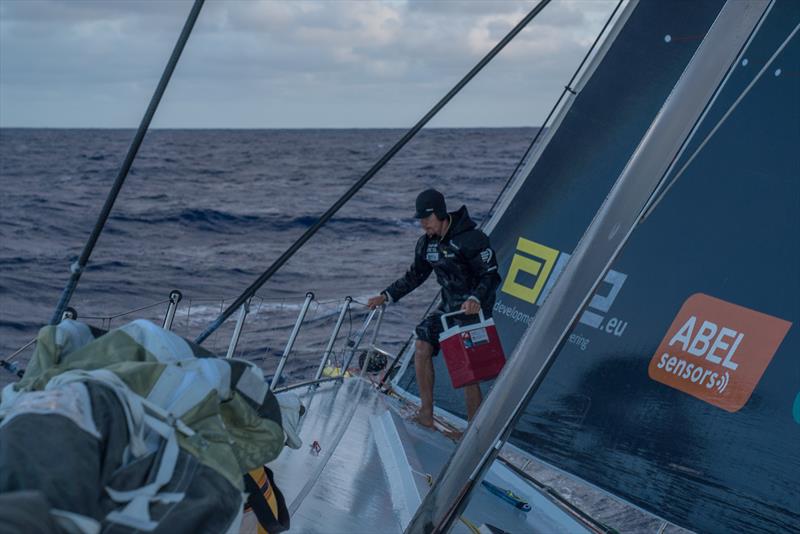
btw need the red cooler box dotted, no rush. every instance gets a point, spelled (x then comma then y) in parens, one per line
(472, 352)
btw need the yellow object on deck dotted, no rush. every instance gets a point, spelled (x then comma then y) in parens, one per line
(335, 371)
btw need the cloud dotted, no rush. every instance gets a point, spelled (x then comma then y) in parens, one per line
(373, 63)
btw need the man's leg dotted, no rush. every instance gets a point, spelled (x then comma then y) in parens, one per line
(473, 396)
(423, 365)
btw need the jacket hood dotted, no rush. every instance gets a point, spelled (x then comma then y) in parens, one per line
(461, 222)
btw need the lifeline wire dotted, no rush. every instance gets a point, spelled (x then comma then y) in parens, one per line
(369, 174)
(76, 268)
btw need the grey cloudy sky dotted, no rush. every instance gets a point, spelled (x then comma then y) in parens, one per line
(276, 64)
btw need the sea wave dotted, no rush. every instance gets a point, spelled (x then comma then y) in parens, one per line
(210, 219)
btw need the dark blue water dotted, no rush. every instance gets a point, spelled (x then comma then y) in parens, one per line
(206, 211)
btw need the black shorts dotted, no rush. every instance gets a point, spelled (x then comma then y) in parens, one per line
(430, 328)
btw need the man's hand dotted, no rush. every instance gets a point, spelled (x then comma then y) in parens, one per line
(376, 301)
(471, 307)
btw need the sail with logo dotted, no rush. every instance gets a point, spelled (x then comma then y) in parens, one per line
(677, 388)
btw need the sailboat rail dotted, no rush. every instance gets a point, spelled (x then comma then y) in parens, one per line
(292, 338)
(175, 298)
(112, 316)
(328, 352)
(244, 309)
(306, 383)
(106, 319)
(260, 307)
(257, 300)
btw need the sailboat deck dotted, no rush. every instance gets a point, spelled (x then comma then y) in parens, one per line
(353, 493)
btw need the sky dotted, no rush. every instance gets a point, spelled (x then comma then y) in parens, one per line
(286, 64)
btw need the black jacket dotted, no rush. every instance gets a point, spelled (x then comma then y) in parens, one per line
(464, 263)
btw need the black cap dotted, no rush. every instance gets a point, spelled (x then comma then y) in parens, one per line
(430, 201)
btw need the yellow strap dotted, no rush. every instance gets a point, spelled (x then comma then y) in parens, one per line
(259, 474)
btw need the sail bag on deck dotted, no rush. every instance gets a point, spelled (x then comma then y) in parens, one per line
(137, 429)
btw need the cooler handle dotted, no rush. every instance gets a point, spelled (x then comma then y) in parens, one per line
(444, 316)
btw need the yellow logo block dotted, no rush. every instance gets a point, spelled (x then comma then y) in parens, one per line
(535, 260)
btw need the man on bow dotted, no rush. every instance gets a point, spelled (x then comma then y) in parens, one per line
(466, 269)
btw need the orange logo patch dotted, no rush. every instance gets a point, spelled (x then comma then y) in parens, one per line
(717, 351)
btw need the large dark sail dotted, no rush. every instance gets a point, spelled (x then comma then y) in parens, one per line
(680, 397)
(676, 388)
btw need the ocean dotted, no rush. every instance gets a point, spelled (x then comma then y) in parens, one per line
(207, 211)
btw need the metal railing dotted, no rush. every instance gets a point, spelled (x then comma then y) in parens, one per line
(106, 320)
(183, 312)
(292, 338)
(175, 297)
(237, 330)
(354, 344)
(326, 355)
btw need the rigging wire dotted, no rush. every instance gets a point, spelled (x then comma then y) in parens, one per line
(277, 264)
(76, 269)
